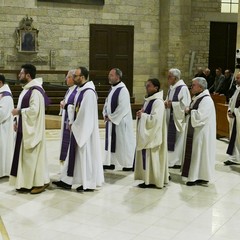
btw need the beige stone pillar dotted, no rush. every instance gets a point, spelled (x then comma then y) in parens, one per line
(174, 39)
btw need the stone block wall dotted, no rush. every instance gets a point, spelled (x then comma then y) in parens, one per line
(65, 29)
(200, 30)
(185, 32)
(166, 33)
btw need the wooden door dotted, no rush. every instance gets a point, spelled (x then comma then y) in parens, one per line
(111, 46)
(222, 47)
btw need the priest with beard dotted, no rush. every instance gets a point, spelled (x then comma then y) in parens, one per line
(29, 172)
(83, 165)
(119, 137)
(151, 162)
(199, 157)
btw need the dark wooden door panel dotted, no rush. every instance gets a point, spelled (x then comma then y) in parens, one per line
(111, 46)
(222, 46)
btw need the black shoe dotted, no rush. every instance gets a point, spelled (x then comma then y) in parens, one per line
(80, 189)
(89, 190)
(125, 169)
(191, 183)
(227, 163)
(111, 167)
(169, 178)
(201, 182)
(175, 167)
(62, 184)
(23, 190)
(143, 185)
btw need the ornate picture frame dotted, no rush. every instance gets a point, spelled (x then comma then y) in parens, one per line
(27, 37)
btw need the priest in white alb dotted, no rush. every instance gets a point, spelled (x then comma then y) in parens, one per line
(6, 128)
(233, 115)
(199, 156)
(178, 99)
(65, 108)
(119, 139)
(151, 162)
(29, 172)
(83, 164)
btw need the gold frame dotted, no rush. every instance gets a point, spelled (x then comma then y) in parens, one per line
(27, 37)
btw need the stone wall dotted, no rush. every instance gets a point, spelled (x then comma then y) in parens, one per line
(65, 29)
(200, 30)
(184, 35)
(166, 34)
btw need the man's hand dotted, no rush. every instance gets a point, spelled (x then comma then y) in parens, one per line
(62, 104)
(187, 110)
(106, 119)
(139, 113)
(16, 112)
(230, 115)
(168, 104)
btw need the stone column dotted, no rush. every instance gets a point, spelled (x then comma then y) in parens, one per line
(174, 39)
(238, 28)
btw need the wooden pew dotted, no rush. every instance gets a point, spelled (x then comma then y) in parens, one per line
(57, 92)
(221, 115)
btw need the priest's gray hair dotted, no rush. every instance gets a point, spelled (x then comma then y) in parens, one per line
(118, 72)
(176, 73)
(71, 72)
(202, 82)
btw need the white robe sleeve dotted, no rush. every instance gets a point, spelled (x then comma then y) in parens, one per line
(5, 108)
(148, 126)
(200, 116)
(32, 120)
(179, 108)
(104, 112)
(84, 123)
(70, 111)
(122, 109)
(237, 114)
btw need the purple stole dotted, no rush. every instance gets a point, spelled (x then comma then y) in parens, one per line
(6, 93)
(114, 104)
(24, 104)
(234, 130)
(147, 110)
(189, 141)
(171, 136)
(73, 143)
(66, 131)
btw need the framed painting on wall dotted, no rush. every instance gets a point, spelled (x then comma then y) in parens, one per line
(27, 37)
(28, 41)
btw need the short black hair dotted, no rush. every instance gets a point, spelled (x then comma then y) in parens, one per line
(84, 72)
(30, 69)
(155, 83)
(2, 78)
(220, 69)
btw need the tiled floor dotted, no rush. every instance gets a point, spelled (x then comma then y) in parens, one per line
(121, 211)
